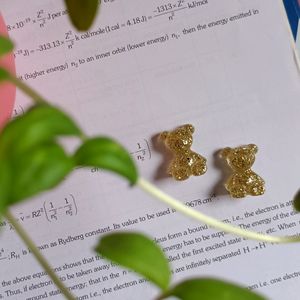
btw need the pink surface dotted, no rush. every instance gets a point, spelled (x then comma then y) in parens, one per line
(7, 91)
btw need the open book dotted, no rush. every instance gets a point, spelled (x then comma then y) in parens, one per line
(228, 68)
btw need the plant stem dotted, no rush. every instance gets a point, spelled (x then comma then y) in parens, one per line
(31, 246)
(26, 89)
(151, 189)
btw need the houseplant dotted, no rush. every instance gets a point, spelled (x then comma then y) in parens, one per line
(88, 154)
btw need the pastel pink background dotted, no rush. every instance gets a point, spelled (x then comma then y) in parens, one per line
(7, 91)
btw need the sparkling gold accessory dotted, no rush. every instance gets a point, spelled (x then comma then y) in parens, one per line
(185, 162)
(243, 181)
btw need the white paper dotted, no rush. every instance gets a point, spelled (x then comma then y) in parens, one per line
(146, 67)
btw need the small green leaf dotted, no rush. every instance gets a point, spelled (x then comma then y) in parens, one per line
(82, 12)
(6, 45)
(39, 169)
(40, 124)
(297, 201)
(210, 289)
(107, 154)
(4, 74)
(138, 253)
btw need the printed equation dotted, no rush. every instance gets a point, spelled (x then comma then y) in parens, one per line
(70, 38)
(5, 255)
(42, 17)
(68, 41)
(52, 211)
(171, 8)
(143, 151)
(66, 207)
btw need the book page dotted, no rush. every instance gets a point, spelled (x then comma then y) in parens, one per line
(227, 67)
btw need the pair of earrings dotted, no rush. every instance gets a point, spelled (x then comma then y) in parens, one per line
(186, 162)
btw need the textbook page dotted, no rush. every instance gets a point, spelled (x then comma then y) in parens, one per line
(227, 67)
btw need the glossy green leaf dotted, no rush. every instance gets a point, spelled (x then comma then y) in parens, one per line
(4, 74)
(82, 12)
(39, 169)
(5, 184)
(297, 201)
(210, 289)
(6, 45)
(138, 253)
(107, 154)
(40, 124)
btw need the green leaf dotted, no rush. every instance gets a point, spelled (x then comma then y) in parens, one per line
(107, 154)
(6, 45)
(4, 74)
(40, 124)
(82, 12)
(39, 169)
(297, 201)
(210, 289)
(35, 161)
(5, 184)
(138, 253)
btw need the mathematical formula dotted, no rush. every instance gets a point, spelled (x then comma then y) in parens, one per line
(42, 18)
(51, 211)
(69, 39)
(143, 151)
(9, 255)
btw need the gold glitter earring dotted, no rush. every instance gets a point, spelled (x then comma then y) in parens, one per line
(243, 181)
(185, 162)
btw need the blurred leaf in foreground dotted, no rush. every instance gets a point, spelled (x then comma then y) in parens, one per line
(107, 154)
(6, 45)
(138, 253)
(210, 289)
(4, 75)
(297, 201)
(82, 12)
(34, 161)
(40, 124)
(40, 169)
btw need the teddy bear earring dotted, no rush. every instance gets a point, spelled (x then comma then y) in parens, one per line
(185, 162)
(243, 181)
